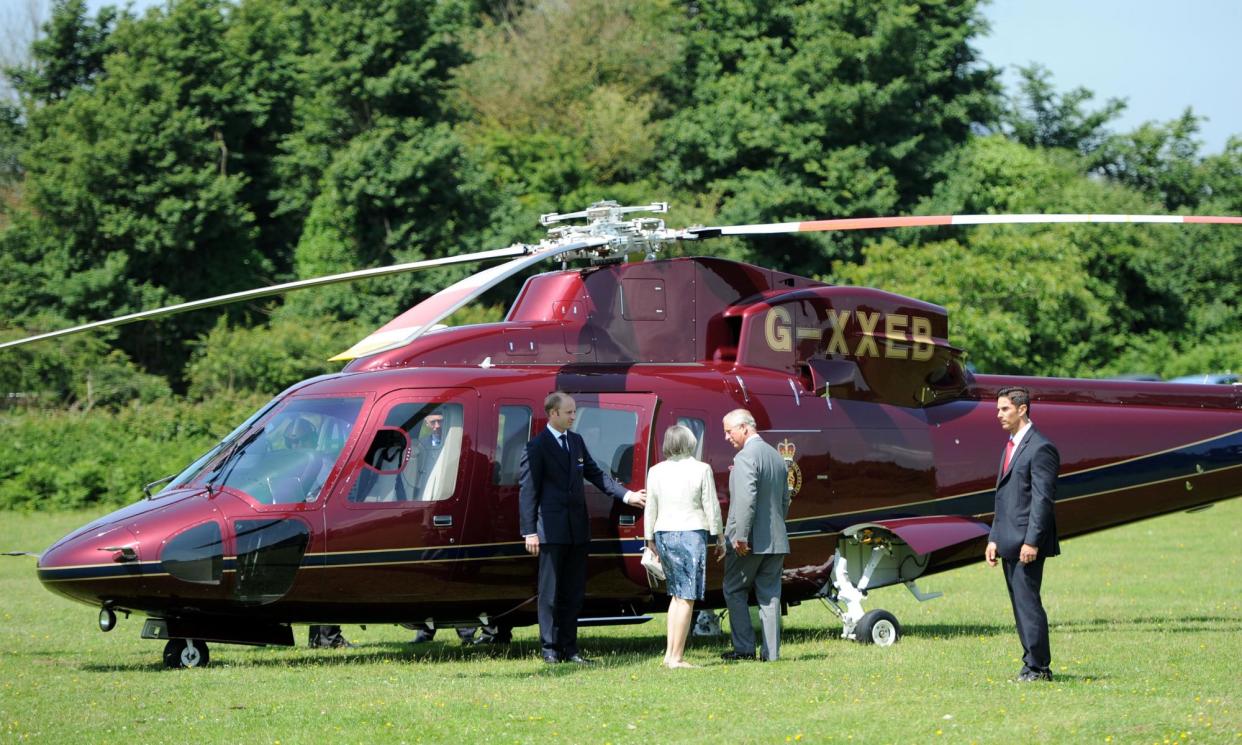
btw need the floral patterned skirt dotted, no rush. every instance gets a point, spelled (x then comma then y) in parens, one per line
(684, 556)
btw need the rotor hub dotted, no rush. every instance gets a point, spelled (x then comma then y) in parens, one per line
(606, 220)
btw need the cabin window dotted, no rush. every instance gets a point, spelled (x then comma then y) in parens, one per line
(609, 435)
(414, 457)
(512, 434)
(289, 458)
(698, 428)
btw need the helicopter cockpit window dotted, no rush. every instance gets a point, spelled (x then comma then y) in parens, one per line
(609, 435)
(425, 469)
(289, 458)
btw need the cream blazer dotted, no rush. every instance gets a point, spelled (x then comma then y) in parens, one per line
(681, 495)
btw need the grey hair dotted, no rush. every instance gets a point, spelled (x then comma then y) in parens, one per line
(679, 441)
(741, 417)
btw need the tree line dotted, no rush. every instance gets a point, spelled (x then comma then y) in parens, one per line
(210, 146)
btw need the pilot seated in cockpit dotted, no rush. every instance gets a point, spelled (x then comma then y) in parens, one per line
(427, 453)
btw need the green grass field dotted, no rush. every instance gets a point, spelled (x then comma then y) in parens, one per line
(1146, 636)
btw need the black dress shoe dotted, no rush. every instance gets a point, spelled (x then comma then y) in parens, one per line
(550, 658)
(579, 660)
(1030, 676)
(734, 656)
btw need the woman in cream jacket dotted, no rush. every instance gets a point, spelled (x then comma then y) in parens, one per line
(681, 512)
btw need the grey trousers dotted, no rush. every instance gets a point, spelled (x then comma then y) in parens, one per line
(763, 573)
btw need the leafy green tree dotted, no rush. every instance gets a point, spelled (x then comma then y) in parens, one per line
(70, 54)
(267, 359)
(141, 181)
(373, 171)
(1040, 117)
(822, 109)
(1075, 300)
(563, 99)
(1160, 160)
(11, 136)
(1016, 305)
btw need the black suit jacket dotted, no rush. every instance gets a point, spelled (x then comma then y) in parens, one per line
(552, 500)
(1025, 499)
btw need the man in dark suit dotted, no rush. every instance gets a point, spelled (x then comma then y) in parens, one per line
(555, 524)
(1024, 530)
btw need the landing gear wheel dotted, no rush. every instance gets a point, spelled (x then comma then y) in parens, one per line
(186, 653)
(878, 627)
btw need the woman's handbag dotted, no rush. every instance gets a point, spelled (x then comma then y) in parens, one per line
(651, 562)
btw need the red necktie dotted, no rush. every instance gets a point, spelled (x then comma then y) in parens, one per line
(1008, 455)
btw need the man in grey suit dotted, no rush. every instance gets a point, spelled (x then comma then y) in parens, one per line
(756, 538)
(1024, 530)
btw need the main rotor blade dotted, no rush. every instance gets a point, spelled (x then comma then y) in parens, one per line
(917, 221)
(416, 321)
(235, 297)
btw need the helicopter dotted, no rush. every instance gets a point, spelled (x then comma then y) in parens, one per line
(388, 492)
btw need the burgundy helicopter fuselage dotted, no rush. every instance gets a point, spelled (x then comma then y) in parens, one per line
(380, 519)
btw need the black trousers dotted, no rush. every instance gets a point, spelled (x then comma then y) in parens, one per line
(562, 588)
(1024, 581)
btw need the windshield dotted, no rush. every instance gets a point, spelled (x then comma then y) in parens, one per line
(289, 457)
(195, 469)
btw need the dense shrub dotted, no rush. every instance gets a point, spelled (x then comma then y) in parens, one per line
(68, 460)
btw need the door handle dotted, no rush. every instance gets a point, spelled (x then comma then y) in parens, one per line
(442, 521)
(627, 520)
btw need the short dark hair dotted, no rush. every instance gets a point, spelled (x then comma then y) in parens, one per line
(1017, 395)
(554, 401)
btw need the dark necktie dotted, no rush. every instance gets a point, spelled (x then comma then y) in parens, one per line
(564, 443)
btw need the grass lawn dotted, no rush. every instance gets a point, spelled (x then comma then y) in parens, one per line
(1146, 640)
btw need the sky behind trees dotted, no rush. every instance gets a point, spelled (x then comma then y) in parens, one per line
(1159, 56)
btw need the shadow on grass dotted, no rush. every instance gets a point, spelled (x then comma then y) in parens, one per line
(645, 650)
(1177, 624)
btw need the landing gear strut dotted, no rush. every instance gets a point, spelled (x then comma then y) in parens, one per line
(884, 557)
(186, 653)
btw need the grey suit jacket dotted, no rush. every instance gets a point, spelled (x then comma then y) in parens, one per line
(759, 498)
(1025, 499)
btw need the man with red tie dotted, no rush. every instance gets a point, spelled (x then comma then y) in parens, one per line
(1024, 530)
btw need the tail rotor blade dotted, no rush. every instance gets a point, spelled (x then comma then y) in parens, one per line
(916, 221)
(500, 253)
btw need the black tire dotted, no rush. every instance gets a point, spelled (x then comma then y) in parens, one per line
(878, 627)
(178, 653)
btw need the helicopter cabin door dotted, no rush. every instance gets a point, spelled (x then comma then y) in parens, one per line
(617, 431)
(395, 520)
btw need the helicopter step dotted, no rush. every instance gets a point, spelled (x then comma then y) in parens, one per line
(871, 558)
(221, 630)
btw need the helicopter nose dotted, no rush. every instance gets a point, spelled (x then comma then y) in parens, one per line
(95, 567)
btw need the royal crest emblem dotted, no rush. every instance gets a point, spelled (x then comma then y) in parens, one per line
(788, 450)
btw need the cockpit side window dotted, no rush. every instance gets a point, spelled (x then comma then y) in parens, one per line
(427, 469)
